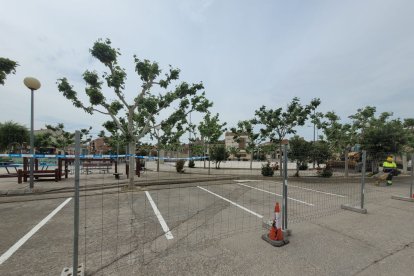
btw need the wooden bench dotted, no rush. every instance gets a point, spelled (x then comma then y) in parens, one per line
(99, 166)
(22, 175)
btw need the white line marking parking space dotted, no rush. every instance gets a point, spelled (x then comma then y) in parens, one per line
(234, 203)
(316, 191)
(293, 199)
(164, 225)
(26, 237)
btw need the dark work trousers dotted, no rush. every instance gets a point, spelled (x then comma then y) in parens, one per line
(390, 172)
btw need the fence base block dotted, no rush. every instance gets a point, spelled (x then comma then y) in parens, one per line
(265, 237)
(410, 199)
(354, 209)
(268, 224)
(68, 271)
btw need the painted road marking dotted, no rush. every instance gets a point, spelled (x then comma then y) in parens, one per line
(164, 225)
(293, 199)
(234, 203)
(26, 237)
(316, 191)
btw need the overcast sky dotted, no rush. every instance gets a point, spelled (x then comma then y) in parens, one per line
(247, 53)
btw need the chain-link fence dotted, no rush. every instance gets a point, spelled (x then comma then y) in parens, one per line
(178, 203)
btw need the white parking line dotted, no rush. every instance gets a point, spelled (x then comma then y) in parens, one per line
(234, 203)
(293, 199)
(164, 225)
(26, 237)
(316, 191)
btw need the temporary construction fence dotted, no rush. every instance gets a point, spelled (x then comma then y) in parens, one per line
(123, 230)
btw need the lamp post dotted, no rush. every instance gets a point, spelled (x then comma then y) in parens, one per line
(157, 128)
(33, 84)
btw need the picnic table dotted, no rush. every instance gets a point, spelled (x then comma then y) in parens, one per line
(8, 165)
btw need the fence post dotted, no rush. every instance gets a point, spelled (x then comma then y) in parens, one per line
(412, 176)
(410, 196)
(364, 165)
(346, 162)
(284, 202)
(361, 208)
(76, 205)
(76, 269)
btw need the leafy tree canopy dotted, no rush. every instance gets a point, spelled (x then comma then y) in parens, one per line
(7, 67)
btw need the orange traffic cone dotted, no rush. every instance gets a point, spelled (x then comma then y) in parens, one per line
(279, 233)
(273, 232)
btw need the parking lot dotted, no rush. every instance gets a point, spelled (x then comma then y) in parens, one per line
(133, 231)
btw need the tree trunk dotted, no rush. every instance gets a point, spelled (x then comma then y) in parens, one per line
(131, 175)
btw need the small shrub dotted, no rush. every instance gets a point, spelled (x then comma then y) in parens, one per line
(303, 167)
(267, 170)
(326, 172)
(191, 164)
(179, 166)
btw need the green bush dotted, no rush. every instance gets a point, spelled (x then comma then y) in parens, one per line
(179, 166)
(267, 170)
(303, 167)
(326, 172)
(191, 164)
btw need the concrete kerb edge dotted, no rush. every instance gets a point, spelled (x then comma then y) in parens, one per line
(38, 191)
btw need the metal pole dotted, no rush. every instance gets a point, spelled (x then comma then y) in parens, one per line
(284, 202)
(31, 139)
(364, 161)
(412, 175)
(346, 162)
(76, 205)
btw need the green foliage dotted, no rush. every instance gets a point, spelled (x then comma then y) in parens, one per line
(267, 170)
(278, 123)
(140, 117)
(179, 166)
(300, 150)
(191, 164)
(218, 153)
(320, 152)
(303, 167)
(210, 128)
(245, 128)
(60, 138)
(7, 67)
(11, 132)
(326, 172)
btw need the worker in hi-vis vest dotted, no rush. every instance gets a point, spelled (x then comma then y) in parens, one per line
(389, 167)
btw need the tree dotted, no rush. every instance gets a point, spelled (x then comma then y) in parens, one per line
(278, 123)
(320, 152)
(11, 132)
(245, 128)
(338, 135)
(409, 126)
(234, 151)
(134, 120)
(7, 67)
(60, 138)
(300, 150)
(218, 153)
(210, 130)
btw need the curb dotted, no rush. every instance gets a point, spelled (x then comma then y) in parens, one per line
(39, 191)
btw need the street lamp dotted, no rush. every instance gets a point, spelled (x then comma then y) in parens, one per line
(157, 128)
(33, 84)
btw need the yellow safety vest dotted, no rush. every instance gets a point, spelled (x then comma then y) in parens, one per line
(389, 165)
